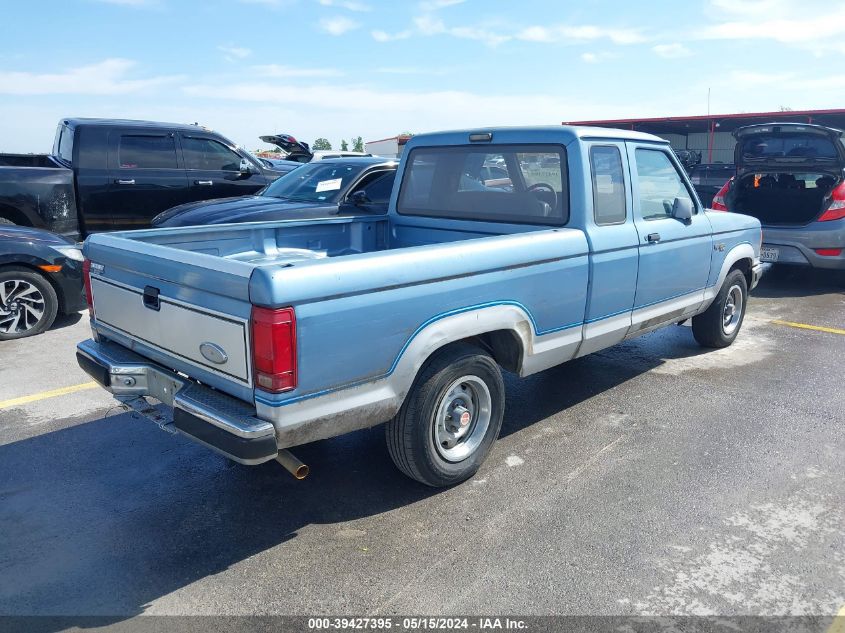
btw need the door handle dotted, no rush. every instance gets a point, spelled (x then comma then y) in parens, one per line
(653, 237)
(124, 182)
(204, 182)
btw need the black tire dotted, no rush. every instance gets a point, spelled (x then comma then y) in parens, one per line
(412, 434)
(710, 328)
(26, 325)
(7, 221)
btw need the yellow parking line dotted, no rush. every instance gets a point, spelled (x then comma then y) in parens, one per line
(805, 326)
(5, 404)
(838, 624)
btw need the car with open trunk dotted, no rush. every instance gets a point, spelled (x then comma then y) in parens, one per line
(791, 176)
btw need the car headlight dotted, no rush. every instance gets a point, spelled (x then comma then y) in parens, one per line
(71, 252)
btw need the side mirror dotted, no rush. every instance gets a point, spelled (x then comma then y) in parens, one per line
(245, 168)
(682, 210)
(359, 198)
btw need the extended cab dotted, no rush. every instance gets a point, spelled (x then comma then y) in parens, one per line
(107, 174)
(264, 336)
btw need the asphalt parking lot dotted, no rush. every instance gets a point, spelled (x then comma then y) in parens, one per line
(651, 478)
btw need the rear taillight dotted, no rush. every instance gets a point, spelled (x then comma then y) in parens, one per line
(86, 279)
(829, 252)
(836, 210)
(274, 348)
(718, 203)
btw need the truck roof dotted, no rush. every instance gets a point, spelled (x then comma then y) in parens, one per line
(535, 134)
(77, 121)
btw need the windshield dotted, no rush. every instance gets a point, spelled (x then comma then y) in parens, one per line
(794, 146)
(314, 182)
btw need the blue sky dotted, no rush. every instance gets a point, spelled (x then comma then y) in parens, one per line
(342, 68)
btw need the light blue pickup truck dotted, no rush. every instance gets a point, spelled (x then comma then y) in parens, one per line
(507, 249)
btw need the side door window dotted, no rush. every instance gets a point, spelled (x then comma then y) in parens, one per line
(608, 185)
(206, 154)
(659, 184)
(142, 151)
(378, 186)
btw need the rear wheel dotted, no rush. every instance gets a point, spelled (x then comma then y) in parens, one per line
(28, 304)
(719, 325)
(450, 419)
(6, 221)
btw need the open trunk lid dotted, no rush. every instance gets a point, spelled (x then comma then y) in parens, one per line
(295, 150)
(789, 147)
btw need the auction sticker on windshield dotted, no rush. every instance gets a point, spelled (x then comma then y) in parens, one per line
(328, 185)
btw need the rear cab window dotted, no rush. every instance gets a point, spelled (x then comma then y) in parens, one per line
(517, 184)
(64, 143)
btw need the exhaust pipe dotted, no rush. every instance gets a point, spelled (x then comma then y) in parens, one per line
(292, 464)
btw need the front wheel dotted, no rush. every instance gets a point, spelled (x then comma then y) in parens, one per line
(28, 304)
(450, 419)
(719, 325)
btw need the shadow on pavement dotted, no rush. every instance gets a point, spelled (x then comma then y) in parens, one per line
(798, 281)
(105, 517)
(66, 320)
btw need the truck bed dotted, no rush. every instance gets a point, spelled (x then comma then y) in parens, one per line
(39, 192)
(350, 280)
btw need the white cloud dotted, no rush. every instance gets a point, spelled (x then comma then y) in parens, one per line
(814, 25)
(671, 51)
(411, 70)
(108, 77)
(384, 36)
(277, 70)
(595, 58)
(338, 25)
(434, 5)
(583, 33)
(350, 5)
(429, 25)
(232, 53)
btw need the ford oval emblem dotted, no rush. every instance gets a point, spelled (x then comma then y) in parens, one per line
(213, 353)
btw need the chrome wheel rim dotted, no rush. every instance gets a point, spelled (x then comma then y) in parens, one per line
(732, 312)
(462, 418)
(22, 306)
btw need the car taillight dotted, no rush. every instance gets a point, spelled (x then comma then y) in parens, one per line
(86, 279)
(836, 210)
(718, 203)
(829, 252)
(274, 348)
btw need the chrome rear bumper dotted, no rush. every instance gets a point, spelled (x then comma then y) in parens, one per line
(209, 417)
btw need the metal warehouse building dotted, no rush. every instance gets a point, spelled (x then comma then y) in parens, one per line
(711, 134)
(389, 147)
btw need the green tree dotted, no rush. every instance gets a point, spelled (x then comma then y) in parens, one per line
(357, 144)
(344, 146)
(321, 143)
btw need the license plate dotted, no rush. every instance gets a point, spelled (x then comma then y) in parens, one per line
(769, 254)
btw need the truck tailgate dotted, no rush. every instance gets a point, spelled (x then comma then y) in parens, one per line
(199, 336)
(187, 310)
